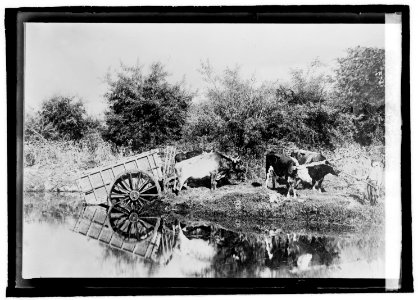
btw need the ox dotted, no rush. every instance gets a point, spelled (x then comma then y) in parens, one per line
(214, 164)
(186, 155)
(282, 166)
(318, 172)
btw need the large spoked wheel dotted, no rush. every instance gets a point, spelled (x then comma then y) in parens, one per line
(130, 195)
(134, 189)
(131, 225)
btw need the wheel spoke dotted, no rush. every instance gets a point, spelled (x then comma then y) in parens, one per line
(129, 230)
(144, 224)
(143, 184)
(138, 232)
(143, 199)
(117, 190)
(124, 225)
(121, 209)
(121, 220)
(117, 215)
(130, 181)
(124, 185)
(119, 196)
(140, 202)
(149, 195)
(136, 182)
(120, 202)
(142, 191)
(121, 188)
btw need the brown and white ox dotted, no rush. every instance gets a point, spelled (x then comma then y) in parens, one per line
(214, 164)
(317, 172)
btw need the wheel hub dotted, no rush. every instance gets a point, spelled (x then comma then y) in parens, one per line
(133, 217)
(134, 195)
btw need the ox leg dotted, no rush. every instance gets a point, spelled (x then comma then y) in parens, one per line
(274, 181)
(320, 185)
(313, 184)
(175, 184)
(267, 179)
(213, 181)
(180, 186)
(298, 181)
(291, 187)
(288, 188)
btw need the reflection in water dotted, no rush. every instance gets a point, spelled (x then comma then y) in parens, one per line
(182, 248)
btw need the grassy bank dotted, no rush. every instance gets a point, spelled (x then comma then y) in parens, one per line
(53, 166)
(247, 207)
(256, 209)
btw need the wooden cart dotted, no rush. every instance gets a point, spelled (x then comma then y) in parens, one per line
(156, 241)
(125, 190)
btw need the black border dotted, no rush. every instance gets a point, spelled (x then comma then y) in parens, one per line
(14, 19)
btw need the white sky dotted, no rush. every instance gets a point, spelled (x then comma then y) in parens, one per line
(72, 59)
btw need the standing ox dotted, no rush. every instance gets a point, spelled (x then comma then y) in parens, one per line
(318, 172)
(214, 164)
(282, 166)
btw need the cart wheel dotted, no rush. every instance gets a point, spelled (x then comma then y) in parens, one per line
(134, 189)
(132, 225)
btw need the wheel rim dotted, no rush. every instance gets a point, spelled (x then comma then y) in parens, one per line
(131, 225)
(134, 189)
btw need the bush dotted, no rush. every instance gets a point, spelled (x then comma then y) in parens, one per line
(60, 118)
(245, 117)
(145, 110)
(234, 116)
(360, 90)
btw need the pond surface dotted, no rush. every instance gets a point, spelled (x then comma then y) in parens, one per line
(59, 241)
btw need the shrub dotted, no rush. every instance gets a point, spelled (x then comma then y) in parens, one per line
(145, 110)
(360, 90)
(245, 117)
(60, 118)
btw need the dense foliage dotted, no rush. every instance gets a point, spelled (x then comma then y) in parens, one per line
(60, 118)
(315, 109)
(144, 109)
(360, 91)
(244, 117)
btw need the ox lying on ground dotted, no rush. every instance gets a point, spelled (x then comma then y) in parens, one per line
(318, 172)
(186, 155)
(214, 164)
(282, 166)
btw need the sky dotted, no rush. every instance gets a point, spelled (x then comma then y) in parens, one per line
(73, 59)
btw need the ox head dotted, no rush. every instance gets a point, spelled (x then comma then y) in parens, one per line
(300, 155)
(296, 153)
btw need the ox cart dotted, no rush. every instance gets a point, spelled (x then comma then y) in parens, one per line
(117, 201)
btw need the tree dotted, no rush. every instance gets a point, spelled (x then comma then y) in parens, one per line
(309, 85)
(61, 117)
(244, 116)
(360, 91)
(235, 111)
(144, 109)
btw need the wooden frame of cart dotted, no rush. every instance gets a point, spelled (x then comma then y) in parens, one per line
(126, 188)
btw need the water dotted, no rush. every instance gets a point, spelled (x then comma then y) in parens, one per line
(201, 249)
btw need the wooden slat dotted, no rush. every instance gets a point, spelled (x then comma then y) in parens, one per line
(154, 237)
